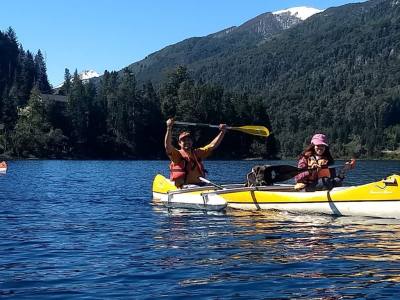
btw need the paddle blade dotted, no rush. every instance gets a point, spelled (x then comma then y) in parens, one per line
(279, 173)
(162, 185)
(254, 130)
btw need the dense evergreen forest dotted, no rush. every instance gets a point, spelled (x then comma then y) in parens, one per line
(338, 72)
(115, 119)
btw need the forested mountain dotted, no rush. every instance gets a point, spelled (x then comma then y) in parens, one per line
(337, 72)
(199, 51)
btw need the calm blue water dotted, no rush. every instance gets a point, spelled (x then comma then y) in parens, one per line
(88, 230)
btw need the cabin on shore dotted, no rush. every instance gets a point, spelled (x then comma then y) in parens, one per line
(54, 98)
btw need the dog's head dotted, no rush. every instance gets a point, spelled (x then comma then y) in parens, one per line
(259, 175)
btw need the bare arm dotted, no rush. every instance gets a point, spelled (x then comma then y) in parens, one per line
(218, 139)
(168, 137)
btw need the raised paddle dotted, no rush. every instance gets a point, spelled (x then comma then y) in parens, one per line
(249, 129)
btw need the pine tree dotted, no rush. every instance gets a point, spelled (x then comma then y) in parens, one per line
(125, 111)
(33, 135)
(66, 87)
(41, 80)
(9, 109)
(100, 123)
(25, 78)
(8, 60)
(169, 91)
(109, 91)
(78, 112)
(93, 118)
(149, 123)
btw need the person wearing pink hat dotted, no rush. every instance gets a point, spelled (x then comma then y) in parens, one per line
(187, 163)
(316, 158)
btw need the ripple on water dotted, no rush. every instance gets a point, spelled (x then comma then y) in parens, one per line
(87, 229)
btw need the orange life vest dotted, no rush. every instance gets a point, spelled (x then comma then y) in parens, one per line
(322, 173)
(181, 169)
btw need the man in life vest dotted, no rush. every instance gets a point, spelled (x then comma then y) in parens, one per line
(187, 163)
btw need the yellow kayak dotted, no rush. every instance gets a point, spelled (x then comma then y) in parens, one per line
(376, 199)
(194, 197)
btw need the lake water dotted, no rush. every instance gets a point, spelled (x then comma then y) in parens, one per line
(88, 230)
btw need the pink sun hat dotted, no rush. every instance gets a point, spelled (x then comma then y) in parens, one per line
(319, 139)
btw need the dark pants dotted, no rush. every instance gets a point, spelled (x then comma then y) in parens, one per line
(324, 184)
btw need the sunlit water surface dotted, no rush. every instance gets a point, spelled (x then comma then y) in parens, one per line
(89, 230)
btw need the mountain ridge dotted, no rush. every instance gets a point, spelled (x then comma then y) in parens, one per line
(196, 49)
(336, 72)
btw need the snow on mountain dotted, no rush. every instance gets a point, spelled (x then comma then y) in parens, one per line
(84, 76)
(301, 12)
(87, 74)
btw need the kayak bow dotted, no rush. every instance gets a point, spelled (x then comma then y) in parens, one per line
(194, 197)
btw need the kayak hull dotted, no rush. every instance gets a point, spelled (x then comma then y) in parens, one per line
(166, 193)
(378, 199)
(198, 201)
(383, 209)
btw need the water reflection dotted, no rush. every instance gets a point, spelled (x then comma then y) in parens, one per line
(269, 246)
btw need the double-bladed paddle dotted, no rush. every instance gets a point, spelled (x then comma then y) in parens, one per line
(279, 173)
(249, 129)
(211, 183)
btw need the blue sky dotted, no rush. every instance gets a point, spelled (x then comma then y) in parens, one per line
(111, 34)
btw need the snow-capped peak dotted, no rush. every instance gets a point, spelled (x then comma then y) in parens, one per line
(87, 74)
(84, 76)
(301, 12)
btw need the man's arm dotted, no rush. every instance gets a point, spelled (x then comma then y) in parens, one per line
(218, 139)
(168, 137)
